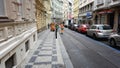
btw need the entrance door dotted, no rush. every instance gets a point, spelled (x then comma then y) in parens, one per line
(118, 23)
(111, 19)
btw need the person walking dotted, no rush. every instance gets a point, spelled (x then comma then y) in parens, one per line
(62, 28)
(56, 27)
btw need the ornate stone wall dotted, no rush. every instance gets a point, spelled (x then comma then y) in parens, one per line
(41, 15)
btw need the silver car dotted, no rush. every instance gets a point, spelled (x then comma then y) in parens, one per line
(99, 31)
(114, 39)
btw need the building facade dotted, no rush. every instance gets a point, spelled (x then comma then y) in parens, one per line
(40, 15)
(76, 10)
(48, 11)
(70, 14)
(57, 10)
(66, 12)
(86, 11)
(18, 32)
(107, 12)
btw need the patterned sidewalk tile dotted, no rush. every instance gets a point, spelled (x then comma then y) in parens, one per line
(42, 66)
(44, 59)
(46, 54)
(46, 48)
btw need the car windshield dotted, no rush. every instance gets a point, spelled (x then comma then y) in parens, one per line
(104, 27)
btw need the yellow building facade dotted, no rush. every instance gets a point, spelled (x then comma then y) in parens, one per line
(40, 15)
(48, 11)
(75, 10)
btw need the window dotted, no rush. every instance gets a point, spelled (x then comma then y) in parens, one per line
(109, 1)
(27, 45)
(106, 27)
(2, 11)
(99, 2)
(11, 62)
(33, 37)
(93, 27)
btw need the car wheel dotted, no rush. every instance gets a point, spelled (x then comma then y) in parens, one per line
(112, 42)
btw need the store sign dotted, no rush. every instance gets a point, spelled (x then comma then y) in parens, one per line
(89, 15)
(105, 11)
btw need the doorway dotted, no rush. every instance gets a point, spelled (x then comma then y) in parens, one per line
(118, 23)
(111, 19)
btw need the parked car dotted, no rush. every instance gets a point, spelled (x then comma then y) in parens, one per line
(73, 26)
(114, 39)
(100, 31)
(83, 28)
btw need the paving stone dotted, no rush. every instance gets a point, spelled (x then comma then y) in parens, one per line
(42, 63)
(45, 52)
(54, 58)
(55, 66)
(54, 47)
(42, 66)
(54, 52)
(36, 52)
(44, 59)
(32, 59)
(28, 66)
(46, 48)
(44, 55)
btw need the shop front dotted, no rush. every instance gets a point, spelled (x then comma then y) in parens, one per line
(89, 18)
(104, 17)
(118, 23)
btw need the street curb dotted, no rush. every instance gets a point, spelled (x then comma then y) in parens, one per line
(60, 62)
(67, 62)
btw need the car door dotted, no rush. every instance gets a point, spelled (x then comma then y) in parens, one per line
(118, 39)
(91, 30)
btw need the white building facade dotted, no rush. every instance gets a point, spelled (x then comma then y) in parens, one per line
(18, 32)
(67, 12)
(57, 10)
(107, 12)
(85, 11)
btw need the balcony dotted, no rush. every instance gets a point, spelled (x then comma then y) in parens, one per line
(113, 3)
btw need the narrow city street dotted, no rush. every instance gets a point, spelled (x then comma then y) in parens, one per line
(33, 34)
(85, 52)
